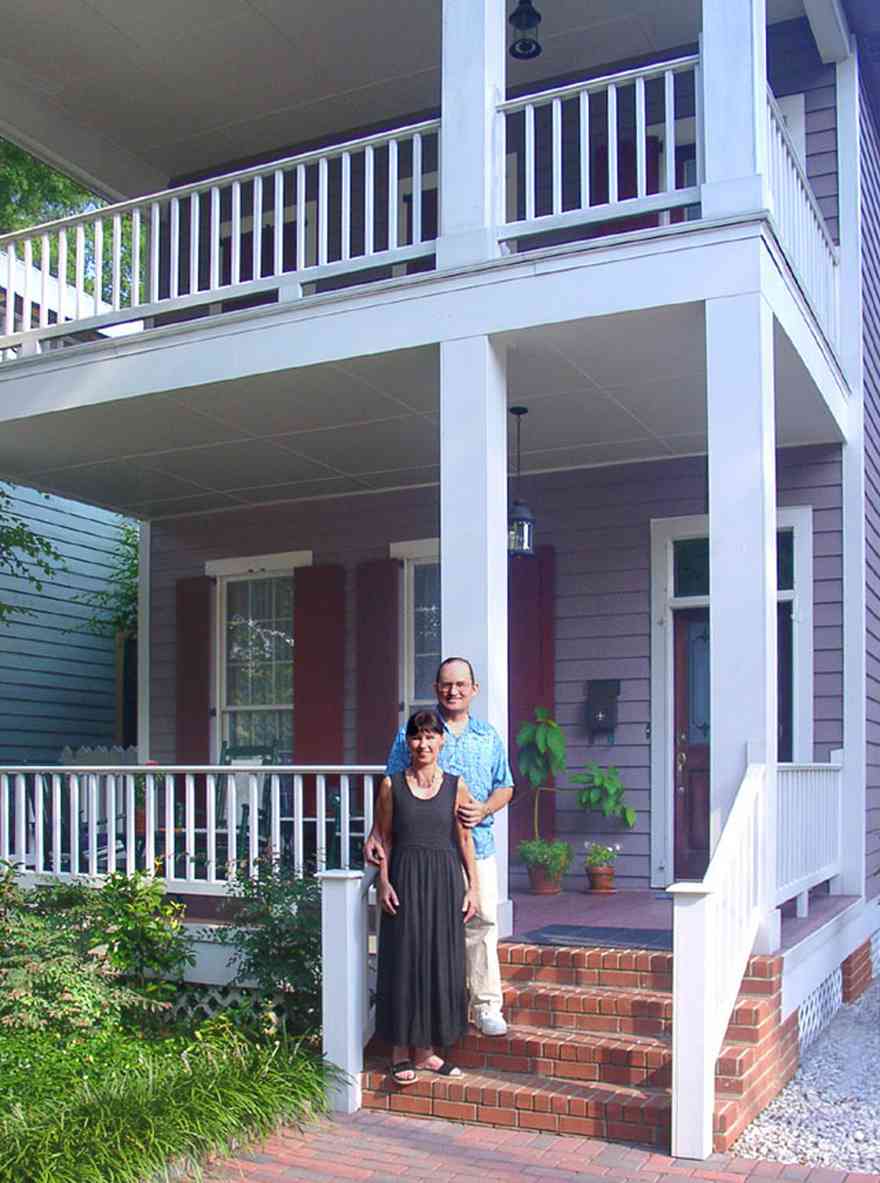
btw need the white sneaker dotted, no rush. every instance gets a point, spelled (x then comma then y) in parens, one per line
(491, 1022)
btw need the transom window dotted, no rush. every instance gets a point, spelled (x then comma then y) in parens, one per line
(691, 564)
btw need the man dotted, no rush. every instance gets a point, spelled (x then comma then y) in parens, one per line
(473, 750)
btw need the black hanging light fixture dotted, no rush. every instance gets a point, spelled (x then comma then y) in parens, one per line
(524, 21)
(520, 520)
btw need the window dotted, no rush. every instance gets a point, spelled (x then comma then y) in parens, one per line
(420, 625)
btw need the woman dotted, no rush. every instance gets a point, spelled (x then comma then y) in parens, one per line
(421, 1001)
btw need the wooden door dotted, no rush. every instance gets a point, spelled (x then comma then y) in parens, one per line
(691, 747)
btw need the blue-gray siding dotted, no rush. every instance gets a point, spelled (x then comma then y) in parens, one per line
(599, 522)
(57, 683)
(870, 144)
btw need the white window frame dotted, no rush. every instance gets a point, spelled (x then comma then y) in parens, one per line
(665, 532)
(412, 554)
(226, 571)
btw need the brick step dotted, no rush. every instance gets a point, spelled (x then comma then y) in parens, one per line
(518, 1100)
(642, 969)
(599, 1010)
(565, 1055)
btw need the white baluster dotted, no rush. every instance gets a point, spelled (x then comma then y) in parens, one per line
(321, 823)
(236, 232)
(154, 252)
(641, 169)
(190, 823)
(392, 195)
(231, 828)
(322, 212)
(275, 816)
(150, 824)
(56, 823)
(556, 156)
(257, 231)
(369, 199)
(116, 263)
(211, 828)
(298, 853)
(62, 275)
(92, 820)
(27, 301)
(346, 205)
(301, 260)
(529, 116)
(73, 805)
(278, 240)
(11, 288)
(39, 818)
(44, 281)
(584, 147)
(20, 822)
(669, 132)
(417, 187)
(253, 825)
(174, 263)
(612, 144)
(98, 226)
(344, 821)
(195, 208)
(170, 836)
(135, 293)
(110, 820)
(368, 804)
(214, 261)
(79, 275)
(130, 826)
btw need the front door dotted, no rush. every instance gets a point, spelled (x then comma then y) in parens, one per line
(691, 747)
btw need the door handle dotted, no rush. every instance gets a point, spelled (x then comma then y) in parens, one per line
(680, 760)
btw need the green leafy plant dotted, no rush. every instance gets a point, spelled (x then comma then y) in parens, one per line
(114, 609)
(541, 755)
(598, 855)
(277, 940)
(603, 791)
(554, 857)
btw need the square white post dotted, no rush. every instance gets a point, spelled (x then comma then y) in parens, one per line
(344, 959)
(734, 81)
(473, 536)
(471, 132)
(742, 564)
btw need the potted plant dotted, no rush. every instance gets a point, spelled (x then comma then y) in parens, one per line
(540, 746)
(599, 865)
(603, 790)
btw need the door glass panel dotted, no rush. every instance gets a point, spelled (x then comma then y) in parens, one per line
(426, 629)
(691, 564)
(698, 681)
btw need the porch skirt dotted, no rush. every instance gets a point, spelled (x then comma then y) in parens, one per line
(421, 997)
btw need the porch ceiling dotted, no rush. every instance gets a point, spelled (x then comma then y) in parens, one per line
(184, 87)
(605, 390)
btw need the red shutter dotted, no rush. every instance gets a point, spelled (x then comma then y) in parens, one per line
(318, 665)
(193, 637)
(378, 661)
(531, 671)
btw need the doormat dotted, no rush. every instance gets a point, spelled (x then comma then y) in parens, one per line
(618, 938)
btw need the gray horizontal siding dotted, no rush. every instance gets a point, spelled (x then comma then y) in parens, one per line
(870, 144)
(57, 682)
(599, 522)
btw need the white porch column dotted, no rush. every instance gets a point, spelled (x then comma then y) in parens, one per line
(742, 560)
(143, 670)
(473, 536)
(471, 139)
(734, 81)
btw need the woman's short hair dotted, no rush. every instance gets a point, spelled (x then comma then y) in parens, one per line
(423, 721)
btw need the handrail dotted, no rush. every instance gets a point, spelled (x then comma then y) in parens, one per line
(570, 89)
(424, 127)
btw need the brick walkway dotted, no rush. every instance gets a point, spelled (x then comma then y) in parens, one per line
(381, 1146)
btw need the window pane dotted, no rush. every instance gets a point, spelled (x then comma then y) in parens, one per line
(691, 567)
(426, 629)
(259, 643)
(785, 560)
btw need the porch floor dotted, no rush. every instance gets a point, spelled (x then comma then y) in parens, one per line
(649, 908)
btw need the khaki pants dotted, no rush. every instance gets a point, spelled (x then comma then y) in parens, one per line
(481, 941)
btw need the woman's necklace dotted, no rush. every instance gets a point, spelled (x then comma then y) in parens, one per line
(424, 792)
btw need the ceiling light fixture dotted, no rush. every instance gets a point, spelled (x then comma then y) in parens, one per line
(524, 20)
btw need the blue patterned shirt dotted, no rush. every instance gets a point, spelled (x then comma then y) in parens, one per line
(477, 755)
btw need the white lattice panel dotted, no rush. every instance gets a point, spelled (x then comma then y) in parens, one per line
(875, 954)
(203, 1002)
(819, 1008)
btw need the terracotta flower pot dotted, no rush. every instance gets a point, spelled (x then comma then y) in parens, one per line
(601, 878)
(543, 884)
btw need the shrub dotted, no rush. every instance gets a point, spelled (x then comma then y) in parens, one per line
(554, 857)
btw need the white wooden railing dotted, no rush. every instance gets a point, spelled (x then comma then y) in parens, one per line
(603, 149)
(198, 828)
(801, 224)
(809, 802)
(715, 923)
(349, 976)
(299, 220)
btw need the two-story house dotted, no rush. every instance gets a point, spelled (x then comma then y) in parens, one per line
(351, 239)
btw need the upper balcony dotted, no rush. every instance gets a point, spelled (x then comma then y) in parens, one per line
(620, 151)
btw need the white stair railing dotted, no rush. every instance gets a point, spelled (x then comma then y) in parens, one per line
(333, 211)
(197, 827)
(801, 224)
(715, 924)
(603, 149)
(809, 804)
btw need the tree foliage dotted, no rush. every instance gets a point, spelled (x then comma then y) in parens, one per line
(31, 192)
(23, 554)
(115, 607)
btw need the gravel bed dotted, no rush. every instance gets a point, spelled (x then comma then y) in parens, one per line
(829, 1114)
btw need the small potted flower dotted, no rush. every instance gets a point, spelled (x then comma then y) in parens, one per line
(599, 865)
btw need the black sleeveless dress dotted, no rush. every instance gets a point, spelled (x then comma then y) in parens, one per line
(421, 997)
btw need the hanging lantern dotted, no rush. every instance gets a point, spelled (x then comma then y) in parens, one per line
(520, 519)
(524, 21)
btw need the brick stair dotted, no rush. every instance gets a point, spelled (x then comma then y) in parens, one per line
(589, 1050)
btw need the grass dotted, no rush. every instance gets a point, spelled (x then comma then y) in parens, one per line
(118, 1107)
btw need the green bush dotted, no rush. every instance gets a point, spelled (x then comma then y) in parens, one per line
(554, 857)
(277, 940)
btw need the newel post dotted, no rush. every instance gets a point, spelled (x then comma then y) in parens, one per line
(343, 956)
(693, 996)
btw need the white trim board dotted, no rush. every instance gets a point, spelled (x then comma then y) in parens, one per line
(411, 554)
(664, 532)
(807, 964)
(258, 564)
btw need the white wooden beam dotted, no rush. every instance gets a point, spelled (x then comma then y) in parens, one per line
(830, 29)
